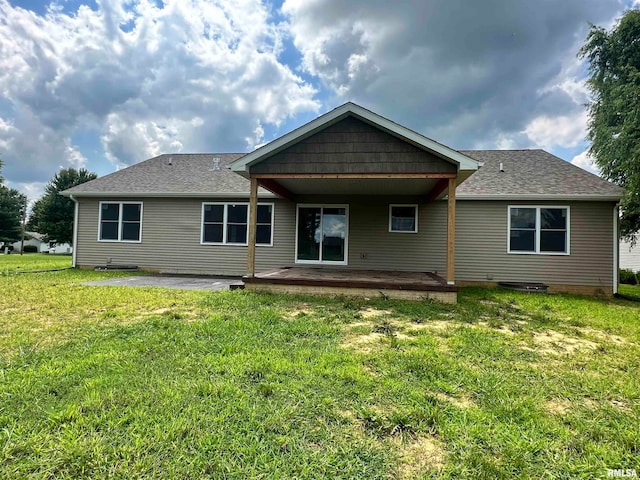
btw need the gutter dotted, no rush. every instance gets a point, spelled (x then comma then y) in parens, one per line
(204, 195)
(75, 231)
(616, 242)
(541, 197)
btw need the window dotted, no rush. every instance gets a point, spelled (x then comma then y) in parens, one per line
(543, 230)
(120, 222)
(403, 218)
(228, 224)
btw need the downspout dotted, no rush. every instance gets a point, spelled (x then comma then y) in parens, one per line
(75, 232)
(616, 242)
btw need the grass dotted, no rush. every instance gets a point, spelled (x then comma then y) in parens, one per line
(15, 262)
(140, 382)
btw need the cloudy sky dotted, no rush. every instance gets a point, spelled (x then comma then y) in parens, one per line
(102, 84)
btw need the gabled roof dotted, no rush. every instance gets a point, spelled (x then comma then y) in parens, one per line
(532, 175)
(176, 175)
(353, 110)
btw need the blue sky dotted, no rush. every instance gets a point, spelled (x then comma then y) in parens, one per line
(104, 84)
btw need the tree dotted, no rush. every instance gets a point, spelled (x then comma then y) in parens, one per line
(52, 215)
(614, 112)
(13, 205)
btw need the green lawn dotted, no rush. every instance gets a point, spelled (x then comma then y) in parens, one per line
(33, 261)
(138, 382)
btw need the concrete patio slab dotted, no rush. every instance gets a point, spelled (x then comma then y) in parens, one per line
(168, 281)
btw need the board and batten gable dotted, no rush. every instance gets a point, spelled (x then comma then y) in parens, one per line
(481, 247)
(171, 233)
(352, 146)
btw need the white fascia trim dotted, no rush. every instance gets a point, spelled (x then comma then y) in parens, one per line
(550, 197)
(170, 195)
(449, 154)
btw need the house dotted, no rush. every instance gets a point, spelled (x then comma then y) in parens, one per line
(630, 254)
(38, 240)
(30, 239)
(352, 202)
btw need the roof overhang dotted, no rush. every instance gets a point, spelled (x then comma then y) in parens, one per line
(463, 162)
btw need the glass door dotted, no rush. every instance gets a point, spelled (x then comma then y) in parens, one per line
(322, 234)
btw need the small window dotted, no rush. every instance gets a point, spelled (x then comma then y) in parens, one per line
(542, 230)
(403, 218)
(120, 222)
(228, 224)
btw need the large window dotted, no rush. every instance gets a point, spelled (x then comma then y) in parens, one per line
(228, 224)
(403, 218)
(120, 222)
(542, 230)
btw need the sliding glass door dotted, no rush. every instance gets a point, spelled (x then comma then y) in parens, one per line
(322, 234)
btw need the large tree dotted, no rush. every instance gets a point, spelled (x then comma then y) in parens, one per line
(52, 214)
(614, 112)
(13, 206)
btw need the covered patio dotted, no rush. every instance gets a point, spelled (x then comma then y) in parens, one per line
(340, 281)
(346, 158)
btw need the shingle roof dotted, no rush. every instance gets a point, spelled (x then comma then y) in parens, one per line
(528, 174)
(531, 174)
(171, 175)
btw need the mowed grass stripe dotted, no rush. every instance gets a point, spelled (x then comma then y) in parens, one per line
(132, 383)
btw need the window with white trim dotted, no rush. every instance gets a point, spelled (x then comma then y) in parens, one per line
(120, 222)
(228, 223)
(403, 218)
(540, 230)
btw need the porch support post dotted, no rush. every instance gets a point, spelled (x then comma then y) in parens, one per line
(253, 216)
(451, 231)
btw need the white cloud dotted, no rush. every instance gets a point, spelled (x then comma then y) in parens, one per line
(584, 161)
(33, 190)
(565, 131)
(188, 75)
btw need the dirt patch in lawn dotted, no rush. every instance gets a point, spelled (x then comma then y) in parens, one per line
(562, 406)
(418, 455)
(369, 342)
(371, 312)
(302, 310)
(605, 336)
(557, 406)
(556, 343)
(460, 402)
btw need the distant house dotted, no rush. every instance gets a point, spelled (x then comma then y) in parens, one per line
(38, 240)
(354, 203)
(630, 255)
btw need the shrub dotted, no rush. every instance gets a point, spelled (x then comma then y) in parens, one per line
(628, 277)
(30, 249)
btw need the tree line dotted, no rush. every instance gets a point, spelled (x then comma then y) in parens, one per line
(51, 215)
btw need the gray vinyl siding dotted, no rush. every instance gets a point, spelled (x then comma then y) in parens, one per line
(373, 247)
(630, 256)
(353, 146)
(171, 239)
(481, 246)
